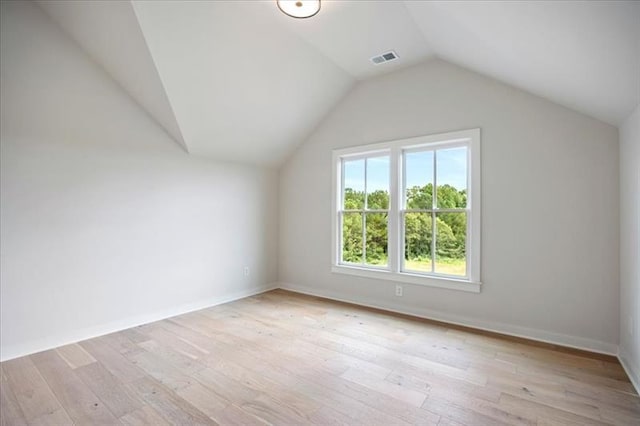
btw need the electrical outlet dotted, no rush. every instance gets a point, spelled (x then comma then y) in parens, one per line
(398, 290)
(246, 271)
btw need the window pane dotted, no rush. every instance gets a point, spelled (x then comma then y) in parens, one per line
(452, 178)
(353, 185)
(376, 226)
(418, 169)
(451, 236)
(417, 242)
(378, 183)
(352, 237)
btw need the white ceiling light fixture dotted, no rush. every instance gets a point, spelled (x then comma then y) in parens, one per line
(299, 8)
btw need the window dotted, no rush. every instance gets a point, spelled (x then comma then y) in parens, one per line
(409, 210)
(365, 211)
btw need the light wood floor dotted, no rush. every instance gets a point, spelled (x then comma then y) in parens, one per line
(282, 358)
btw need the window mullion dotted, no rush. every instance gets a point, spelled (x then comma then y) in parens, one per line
(434, 205)
(338, 233)
(338, 250)
(364, 217)
(365, 183)
(401, 175)
(364, 237)
(340, 199)
(393, 227)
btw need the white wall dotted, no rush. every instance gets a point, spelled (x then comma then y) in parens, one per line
(549, 210)
(105, 221)
(630, 245)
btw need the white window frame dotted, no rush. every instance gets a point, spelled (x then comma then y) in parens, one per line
(396, 150)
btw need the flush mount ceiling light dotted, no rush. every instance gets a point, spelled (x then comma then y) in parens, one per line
(299, 8)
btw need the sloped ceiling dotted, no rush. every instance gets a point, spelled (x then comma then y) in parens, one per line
(243, 87)
(582, 54)
(351, 32)
(109, 32)
(240, 81)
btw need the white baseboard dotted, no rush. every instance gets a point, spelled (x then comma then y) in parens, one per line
(633, 374)
(511, 330)
(50, 342)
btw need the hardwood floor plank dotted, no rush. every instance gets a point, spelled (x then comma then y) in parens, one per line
(394, 390)
(75, 355)
(262, 381)
(619, 416)
(603, 397)
(449, 422)
(10, 411)
(113, 360)
(167, 404)
(203, 399)
(329, 416)
(134, 335)
(82, 405)
(434, 385)
(144, 416)
(233, 391)
(551, 394)
(526, 408)
(37, 401)
(181, 361)
(121, 343)
(198, 338)
(560, 374)
(161, 370)
(55, 418)
(234, 416)
(378, 408)
(178, 344)
(115, 395)
(460, 413)
(271, 411)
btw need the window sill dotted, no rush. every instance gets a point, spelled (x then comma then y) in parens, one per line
(405, 277)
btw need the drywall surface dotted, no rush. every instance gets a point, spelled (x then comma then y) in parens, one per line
(630, 245)
(110, 33)
(549, 208)
(105, 221)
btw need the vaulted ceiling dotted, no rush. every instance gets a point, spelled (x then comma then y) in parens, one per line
(240, 81)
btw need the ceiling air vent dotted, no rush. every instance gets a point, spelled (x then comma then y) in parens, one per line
(385, 57)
